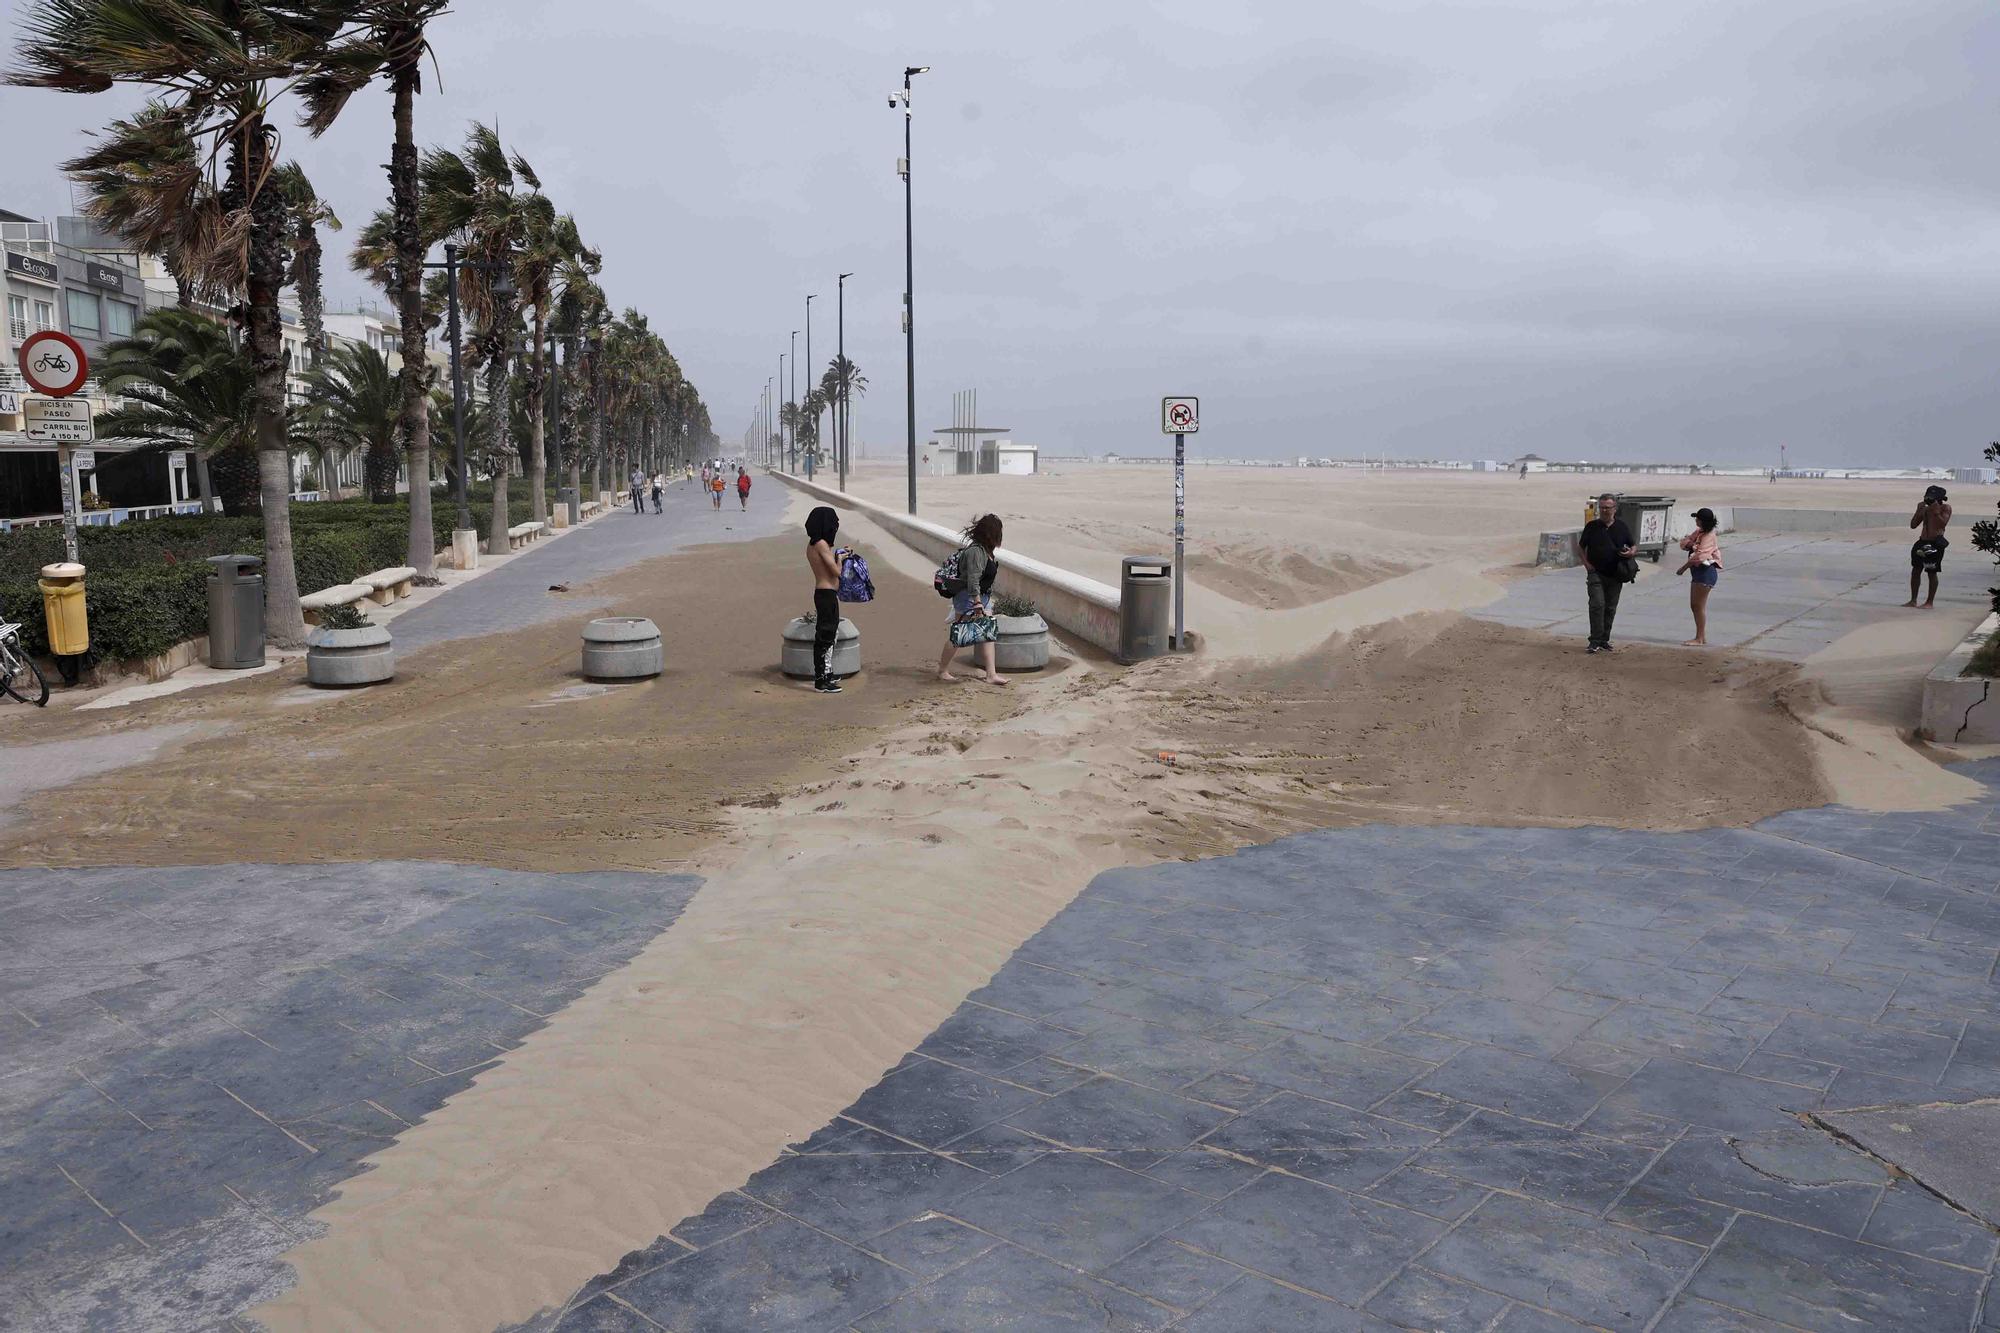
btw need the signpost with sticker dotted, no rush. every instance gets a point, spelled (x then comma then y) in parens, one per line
(1180, 418)
(54, 364)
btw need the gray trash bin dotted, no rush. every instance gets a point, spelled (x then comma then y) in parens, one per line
(566, 496)
(235, 611)
(1145, 607)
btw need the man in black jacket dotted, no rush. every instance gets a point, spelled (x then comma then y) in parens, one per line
(1606, 542)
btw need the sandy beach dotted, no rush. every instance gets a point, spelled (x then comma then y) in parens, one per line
(870, 861)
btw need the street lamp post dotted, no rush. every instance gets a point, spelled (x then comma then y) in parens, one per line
(503, 287)
(840, 371)
(809, 365)
(909, 279)
(792, 397)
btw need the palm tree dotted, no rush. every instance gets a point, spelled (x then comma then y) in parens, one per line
(578, 310)
(308, 213)
(475, 198)
(212, 64)
(842, 384)
(186, 385)
(144, 183)
(550, 247)
(353, 403)
(394, 46)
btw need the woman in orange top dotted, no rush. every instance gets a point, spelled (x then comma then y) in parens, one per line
(1704, 568)
(715, 488)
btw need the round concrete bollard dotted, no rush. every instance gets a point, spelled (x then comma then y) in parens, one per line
(1023, 644)
(342, 657)
(797, 656)
(622, 648)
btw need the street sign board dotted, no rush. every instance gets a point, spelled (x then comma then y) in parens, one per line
(1180, 416)
(60, 420)
(10, 404)
(54, 363)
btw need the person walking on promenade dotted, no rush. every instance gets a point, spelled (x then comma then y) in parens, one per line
(659, 490)
(715, 488)
(690, 471)
(1927, 552)
(743, 488)
(1607, 545)
(638, 480)
(822, 526)
(1704, 570)
(971, 622)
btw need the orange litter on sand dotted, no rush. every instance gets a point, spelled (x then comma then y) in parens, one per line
(1169, 757)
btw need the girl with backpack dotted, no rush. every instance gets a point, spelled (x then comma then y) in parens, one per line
(967, 577)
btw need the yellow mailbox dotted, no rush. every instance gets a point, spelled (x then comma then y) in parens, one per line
(62, 605)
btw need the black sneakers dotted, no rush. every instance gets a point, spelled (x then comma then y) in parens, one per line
(827, 684)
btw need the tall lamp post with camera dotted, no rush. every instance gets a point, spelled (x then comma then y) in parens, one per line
(909, 275)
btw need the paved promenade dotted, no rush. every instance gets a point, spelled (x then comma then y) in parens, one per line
(1450, 1078)
(1782, 595)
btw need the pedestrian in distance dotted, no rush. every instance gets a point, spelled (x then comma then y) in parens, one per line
(743, 489)
(1927, 552)
(659, 490)
(690, 471)
(715, 486)
(967, 576)
(822, 526)
(638, 481)
(1609, 564)
(1704, 570)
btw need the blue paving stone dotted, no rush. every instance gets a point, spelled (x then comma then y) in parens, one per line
(931, 1104)
(1796, 1174)
(1816, 1281)
(1419, 1299)
(1254, 1303)
(1521, 1086)
(931, 1246)
(1010, 1289)
(1548, 1162)
(1691, 1315)
(604, 1315)
(1657, 1030)
(1154, 1055)
(1357, 1076)
(780, 1276)
(1105, 1113)
(1428, 1193)
(1894, 1052)
(1915, 1221)
(991, 1041)
(1074, 1208)
(1321, 1141)
(1527, 1319)
(1330, 1242)
(1172, 1274)
(1209, 1173)
(1711, 1098)
(861, 1186)
(1567, 1261)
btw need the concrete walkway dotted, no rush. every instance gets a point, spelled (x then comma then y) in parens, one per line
(1784, 596)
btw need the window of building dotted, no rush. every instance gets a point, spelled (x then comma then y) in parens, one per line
(17, 317)
(82, 311)
(118, 317)
(45, 314)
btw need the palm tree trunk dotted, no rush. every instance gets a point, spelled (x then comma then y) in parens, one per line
(415, 379)
(498, 448)
(284, 622)
(538, 453)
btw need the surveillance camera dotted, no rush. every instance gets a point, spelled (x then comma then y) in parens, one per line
(892, 100)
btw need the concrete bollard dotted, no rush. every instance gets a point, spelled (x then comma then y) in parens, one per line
(796, 657)
(623, 648)
(343, 657)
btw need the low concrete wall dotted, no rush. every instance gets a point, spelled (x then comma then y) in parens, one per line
(1082, 607)
(1960, 709)
(1817, 520)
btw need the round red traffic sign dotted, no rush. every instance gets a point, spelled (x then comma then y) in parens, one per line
(1182, 414)
(54, 364)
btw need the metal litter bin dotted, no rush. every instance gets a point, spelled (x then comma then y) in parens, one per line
(566, 497)
(235, 612)
(1145, 607)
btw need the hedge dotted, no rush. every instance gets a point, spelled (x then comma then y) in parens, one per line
(146, 586)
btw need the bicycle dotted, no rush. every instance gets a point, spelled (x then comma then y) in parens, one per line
(17, 669)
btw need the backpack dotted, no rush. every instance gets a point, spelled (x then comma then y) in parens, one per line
(948, 582)
(855, 585)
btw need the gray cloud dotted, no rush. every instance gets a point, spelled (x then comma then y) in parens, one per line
(1654, 229)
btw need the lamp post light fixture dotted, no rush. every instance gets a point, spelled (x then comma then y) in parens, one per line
(909, 275)
(840, 431)
(503, 288)
(792, 431)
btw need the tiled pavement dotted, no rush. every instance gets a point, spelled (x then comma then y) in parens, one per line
(191, 1059)
(1786, 595)
(517, 593)
(1420, 1078)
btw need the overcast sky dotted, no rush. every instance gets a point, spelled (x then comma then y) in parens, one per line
(1636, 229)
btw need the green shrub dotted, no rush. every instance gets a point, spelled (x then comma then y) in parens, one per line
(145, 589)
(1985, 659)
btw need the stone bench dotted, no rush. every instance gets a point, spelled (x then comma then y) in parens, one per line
(589, 507)
(522, 533)
(389, 585)
(340, 594)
